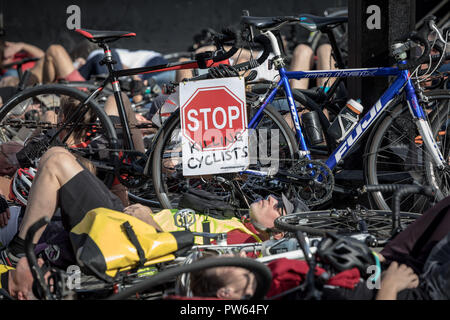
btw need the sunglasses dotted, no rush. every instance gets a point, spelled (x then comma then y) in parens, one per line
(279, 207)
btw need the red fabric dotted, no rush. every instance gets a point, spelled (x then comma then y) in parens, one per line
(237, 236)
(287, 274)
(221, 62)
(74, 76)
(20, 56)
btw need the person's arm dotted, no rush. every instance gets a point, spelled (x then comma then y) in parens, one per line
(143, 213)
(395, 279)
(11, 48)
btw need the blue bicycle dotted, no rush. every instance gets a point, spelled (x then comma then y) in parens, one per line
(407, 142)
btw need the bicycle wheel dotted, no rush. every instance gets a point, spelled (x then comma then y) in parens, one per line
(377, 223)
(34, 111)
(437, 178)
(239, 189)
(397, 155)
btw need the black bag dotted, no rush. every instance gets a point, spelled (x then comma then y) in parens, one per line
(204, 202)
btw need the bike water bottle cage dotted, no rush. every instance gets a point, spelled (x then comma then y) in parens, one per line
(350, 118)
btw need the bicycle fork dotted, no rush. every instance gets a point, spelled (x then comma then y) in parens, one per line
(423, 126)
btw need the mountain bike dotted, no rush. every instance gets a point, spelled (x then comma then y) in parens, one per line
(301, 175)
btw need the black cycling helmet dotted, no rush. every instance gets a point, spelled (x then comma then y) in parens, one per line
(344, 253)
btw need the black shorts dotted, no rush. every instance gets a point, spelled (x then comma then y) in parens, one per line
(83, 193)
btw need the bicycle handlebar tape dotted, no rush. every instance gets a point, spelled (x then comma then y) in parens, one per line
(260, 270)
(413, 63)
(399, 194)
(267, 49)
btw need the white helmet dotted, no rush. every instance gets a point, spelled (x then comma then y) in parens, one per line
(21, 185)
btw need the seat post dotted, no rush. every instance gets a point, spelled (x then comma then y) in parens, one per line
(117, 95)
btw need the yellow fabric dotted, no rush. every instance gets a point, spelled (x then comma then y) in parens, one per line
(165, 219)
(4, 269)
(104, 228)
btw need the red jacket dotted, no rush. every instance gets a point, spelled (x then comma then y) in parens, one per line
(288, 274)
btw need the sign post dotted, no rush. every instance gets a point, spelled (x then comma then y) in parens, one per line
(214, 127)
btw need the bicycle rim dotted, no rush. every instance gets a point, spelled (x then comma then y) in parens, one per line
(437, 178)
(377, 223)
(35, 110)
(397, 155)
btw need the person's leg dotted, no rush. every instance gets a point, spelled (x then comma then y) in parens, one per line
(136, 134)
(57, 64)
(302, 60)
(38, 70)
(183, 74)
(325, 61)
(56, 168)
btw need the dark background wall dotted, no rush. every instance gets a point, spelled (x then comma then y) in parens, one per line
(163, 25)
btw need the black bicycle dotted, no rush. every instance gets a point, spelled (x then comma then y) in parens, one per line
(34, 111)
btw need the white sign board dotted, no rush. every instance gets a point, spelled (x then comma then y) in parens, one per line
(214, 126)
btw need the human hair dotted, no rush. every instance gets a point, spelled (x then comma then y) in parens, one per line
(206, 283)
(68, 106)
(82, 49)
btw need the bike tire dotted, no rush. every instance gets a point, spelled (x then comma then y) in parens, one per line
(14, 128)
(439, 179)
(378, 223)
(168, 189)
(395, 155)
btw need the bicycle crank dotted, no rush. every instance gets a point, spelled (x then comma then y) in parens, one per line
(309, 180)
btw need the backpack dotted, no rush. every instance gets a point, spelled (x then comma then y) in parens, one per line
(207, 203)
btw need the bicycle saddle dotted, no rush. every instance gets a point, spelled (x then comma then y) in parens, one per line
(314, 23)
(104, 36)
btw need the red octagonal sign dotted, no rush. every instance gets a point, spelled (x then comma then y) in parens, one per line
(213, 118)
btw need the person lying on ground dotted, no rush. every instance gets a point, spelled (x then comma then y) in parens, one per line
(398, 281)
(63, 182)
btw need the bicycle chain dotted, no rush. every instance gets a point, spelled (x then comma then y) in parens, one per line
(29, 124)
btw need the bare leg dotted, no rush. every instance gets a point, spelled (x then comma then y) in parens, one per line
(111, 109)
(325, 61)
(56, 168)
(57, 64)
(136, 134)
(183, 74)
(302, 60)
(38, 70)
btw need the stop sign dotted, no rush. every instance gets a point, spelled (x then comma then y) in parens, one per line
(213, 118)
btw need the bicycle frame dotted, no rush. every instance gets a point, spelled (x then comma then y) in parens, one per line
(401, 83)
(114, 76)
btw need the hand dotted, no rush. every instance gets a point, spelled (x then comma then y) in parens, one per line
(4, 218)
(399, 277)
(20, 280)
(5, 215)
(143, 213)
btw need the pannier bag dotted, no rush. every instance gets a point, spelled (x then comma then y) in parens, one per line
(207, 203)
(107, 241)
